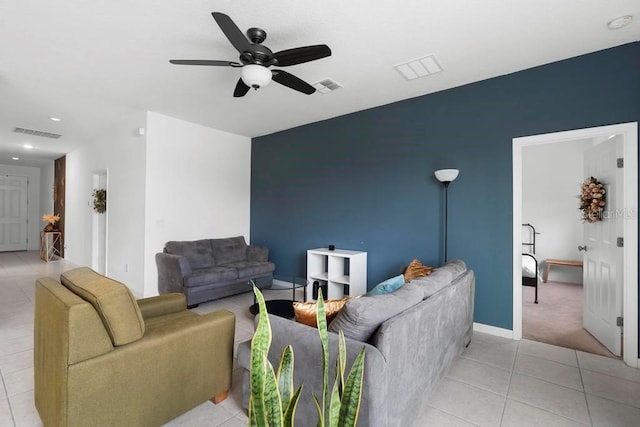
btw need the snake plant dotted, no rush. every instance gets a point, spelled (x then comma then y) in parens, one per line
(273, 400)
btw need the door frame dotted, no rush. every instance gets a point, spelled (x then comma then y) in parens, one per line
(100, 226)
(629, 131)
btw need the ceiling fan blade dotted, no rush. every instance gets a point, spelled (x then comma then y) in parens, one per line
(205, 62)
(289, 80)
(301, 54)
(241, 89)
(231, 30)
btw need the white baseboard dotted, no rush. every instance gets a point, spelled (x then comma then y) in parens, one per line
(492, 330)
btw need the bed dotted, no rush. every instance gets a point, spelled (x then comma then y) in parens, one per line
(530, 270)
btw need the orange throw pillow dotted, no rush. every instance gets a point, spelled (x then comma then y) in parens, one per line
(305, 312)
(416, 269)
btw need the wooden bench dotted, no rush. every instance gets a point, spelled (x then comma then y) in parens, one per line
(563, 262)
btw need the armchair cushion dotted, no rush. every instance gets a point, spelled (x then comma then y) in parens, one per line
(111, 299)
(197, 252)
(162, 305)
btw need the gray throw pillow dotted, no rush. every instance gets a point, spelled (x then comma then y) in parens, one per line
(361, 317)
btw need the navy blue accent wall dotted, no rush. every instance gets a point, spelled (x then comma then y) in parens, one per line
(364, 181)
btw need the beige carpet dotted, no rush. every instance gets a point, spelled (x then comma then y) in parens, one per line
(557, 318)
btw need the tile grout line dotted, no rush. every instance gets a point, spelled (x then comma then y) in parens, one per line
(506, 397)
(586, 401)
(453, 415)
(6, 393)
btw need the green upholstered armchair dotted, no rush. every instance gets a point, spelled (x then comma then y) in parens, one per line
(101, 358)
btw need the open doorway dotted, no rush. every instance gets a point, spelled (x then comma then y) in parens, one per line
(552, 234)
(628, 226)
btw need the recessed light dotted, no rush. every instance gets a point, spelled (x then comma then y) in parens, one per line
(617, 23)
(28, 146)
(15, 158)
(55, 119)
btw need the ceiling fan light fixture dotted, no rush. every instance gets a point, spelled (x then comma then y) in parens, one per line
(255, 76)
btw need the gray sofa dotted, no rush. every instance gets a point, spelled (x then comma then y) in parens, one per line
(208, 269)
(411, 336)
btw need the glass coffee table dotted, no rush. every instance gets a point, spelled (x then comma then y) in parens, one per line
(282, 307)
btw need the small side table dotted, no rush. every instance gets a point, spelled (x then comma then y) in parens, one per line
(48, 241)
(282, 307)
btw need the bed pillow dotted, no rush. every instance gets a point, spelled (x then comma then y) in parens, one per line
(388, 286)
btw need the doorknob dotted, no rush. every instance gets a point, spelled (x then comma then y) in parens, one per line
(582, 248)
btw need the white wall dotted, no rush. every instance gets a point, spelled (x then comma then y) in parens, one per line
(34, 213)
(198, 184)
(121, 151)
(46, 187)
(551, 178)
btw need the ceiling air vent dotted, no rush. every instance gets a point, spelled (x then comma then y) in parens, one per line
(327, 85)
(37, 133)
(420, 67)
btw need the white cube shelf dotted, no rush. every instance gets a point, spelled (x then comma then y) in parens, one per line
(343, 272)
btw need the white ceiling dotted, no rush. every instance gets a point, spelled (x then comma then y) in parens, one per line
(89, 61)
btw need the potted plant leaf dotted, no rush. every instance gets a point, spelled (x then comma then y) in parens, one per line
(273, 400)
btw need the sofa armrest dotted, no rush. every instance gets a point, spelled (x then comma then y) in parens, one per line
(162, 304)
(308, 368)
(257, 253)
(171, 270)
(178, 364)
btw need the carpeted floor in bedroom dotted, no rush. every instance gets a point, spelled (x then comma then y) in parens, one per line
(557, 318)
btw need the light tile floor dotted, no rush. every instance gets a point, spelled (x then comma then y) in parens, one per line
(496, 382)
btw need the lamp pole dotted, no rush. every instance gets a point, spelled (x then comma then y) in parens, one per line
(446, 210)
(446, 176)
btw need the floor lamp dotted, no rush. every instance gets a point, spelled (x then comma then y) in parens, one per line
(446, 176)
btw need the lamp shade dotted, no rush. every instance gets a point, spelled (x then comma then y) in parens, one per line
(255, 76)
(446, 175)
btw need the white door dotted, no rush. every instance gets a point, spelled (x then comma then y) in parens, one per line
(13, 213)
(602, 272)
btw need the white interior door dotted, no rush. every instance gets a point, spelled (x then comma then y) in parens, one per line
(602, 272)
(13, 213)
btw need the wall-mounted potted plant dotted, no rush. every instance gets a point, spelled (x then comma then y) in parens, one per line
(100, 200)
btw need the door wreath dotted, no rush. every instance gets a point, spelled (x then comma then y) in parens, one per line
(592, 200)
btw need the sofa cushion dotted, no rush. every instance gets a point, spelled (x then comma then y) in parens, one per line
(112, 300)
(257, 253)
(441, 277)
(305, 312)
(248, 269)
(232, 249)
(197, 252)
(360, 317)
(416, 269)
(388, 286)
(208, 276)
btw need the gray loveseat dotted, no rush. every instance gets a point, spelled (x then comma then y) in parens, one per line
(411, 336)
(208, 269)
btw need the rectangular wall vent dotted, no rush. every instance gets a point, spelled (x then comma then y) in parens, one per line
(420, 67)
(37, 133)
(326, 86)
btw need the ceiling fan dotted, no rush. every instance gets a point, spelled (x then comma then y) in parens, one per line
(255, 59)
